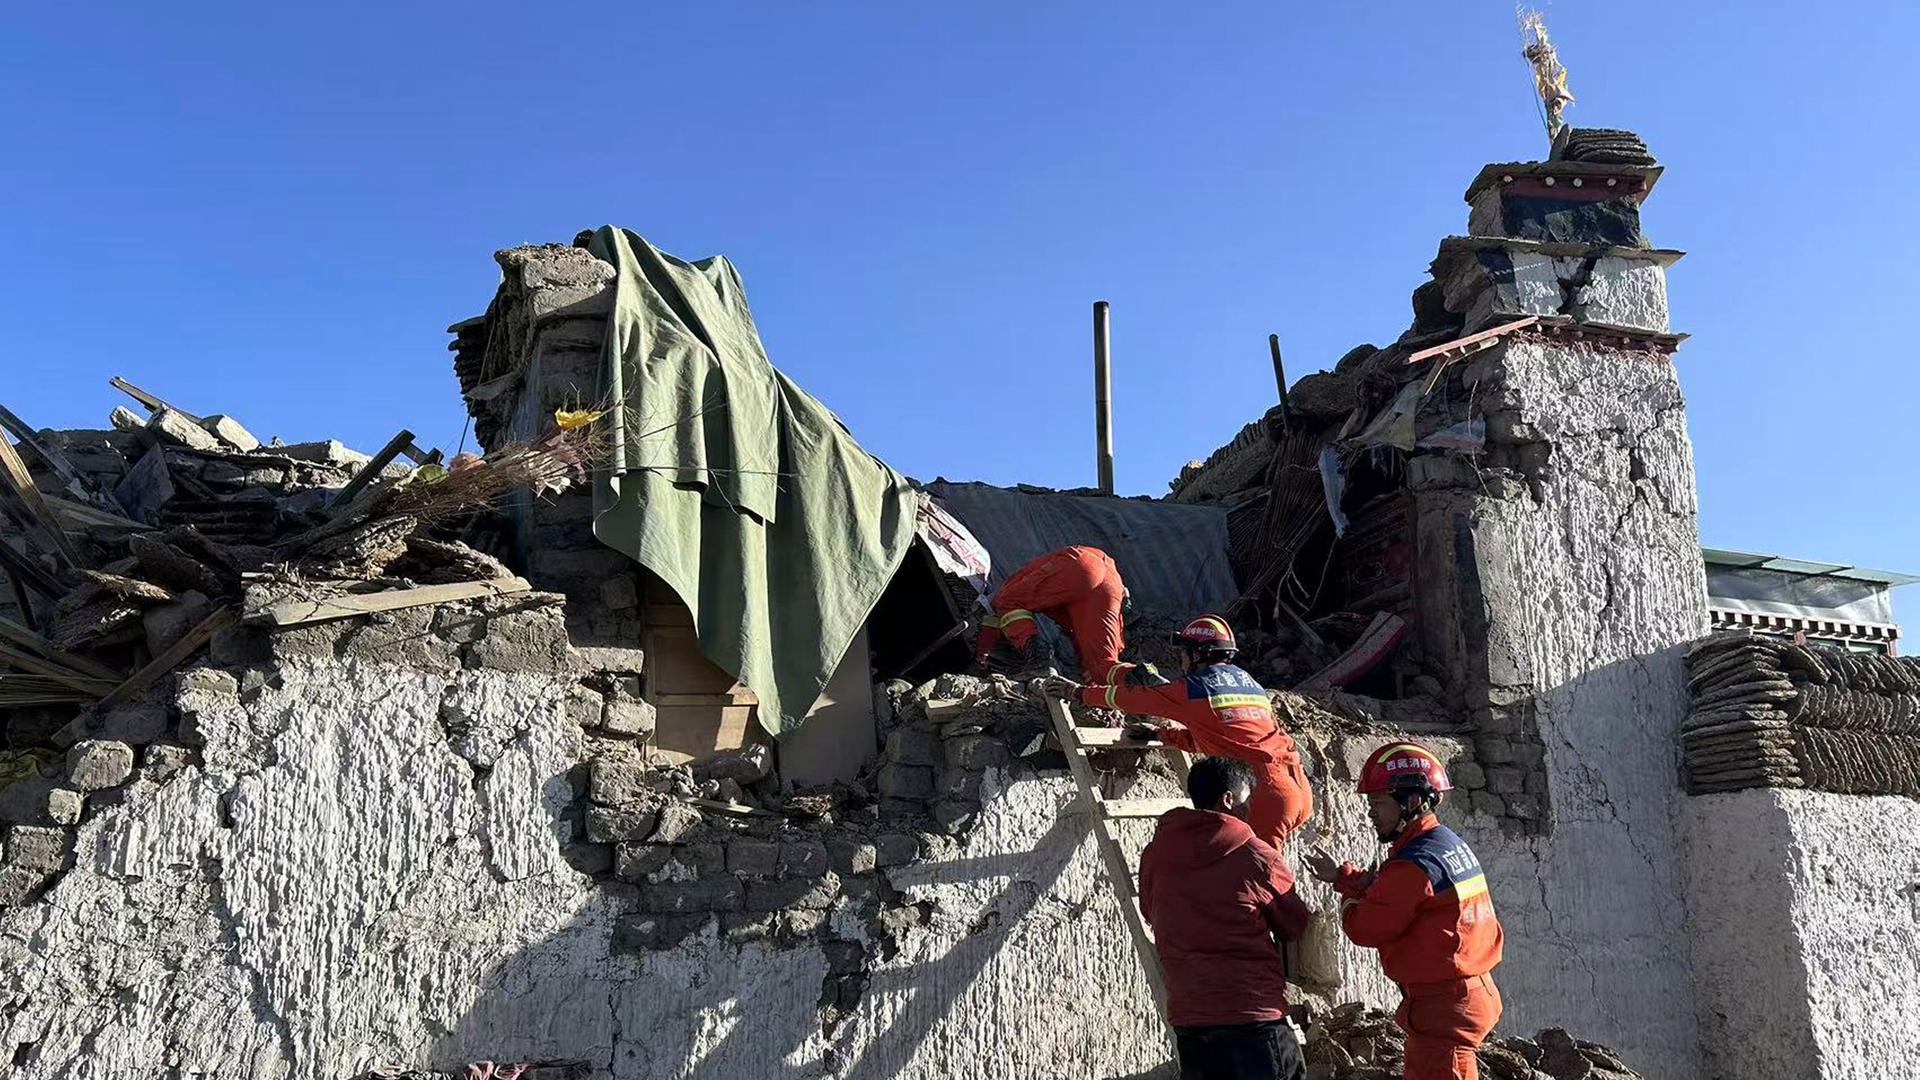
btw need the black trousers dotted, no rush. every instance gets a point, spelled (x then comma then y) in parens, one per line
(1263, 1051)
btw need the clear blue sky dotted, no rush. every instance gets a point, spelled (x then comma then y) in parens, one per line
(274, 210)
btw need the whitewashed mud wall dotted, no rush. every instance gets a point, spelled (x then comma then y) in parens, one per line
(367, 871)
(1806, 933)
(1575, 566)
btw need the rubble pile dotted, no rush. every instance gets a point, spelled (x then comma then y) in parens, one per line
(1772, 713)
(128, 551)
(1353, 1042)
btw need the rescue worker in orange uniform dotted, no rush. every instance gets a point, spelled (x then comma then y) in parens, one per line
(1427, 910)
(1216, 710)
(1080, 589)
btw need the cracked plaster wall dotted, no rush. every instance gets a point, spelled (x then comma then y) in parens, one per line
(1580, 579)
(342, 884)
(1807, 935)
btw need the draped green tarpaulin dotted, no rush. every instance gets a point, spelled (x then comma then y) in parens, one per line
(738, 489)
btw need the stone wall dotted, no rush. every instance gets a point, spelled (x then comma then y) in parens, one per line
(1806, 933)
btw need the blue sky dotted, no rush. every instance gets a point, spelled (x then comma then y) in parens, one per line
(275, 210)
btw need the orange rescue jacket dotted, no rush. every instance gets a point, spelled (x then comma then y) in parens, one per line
(1427, 909)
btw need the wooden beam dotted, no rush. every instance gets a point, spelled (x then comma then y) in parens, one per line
(27, 639)
(370, 471)
(13, 472)
(176, 654)
(153, 404)
(1112, 738)
(81, 517)
(55, 460)
(21, 600)
(302, 612)
(1141, 808)
(1375, 644)
(33, 665)
(1492, 332)
(23, 570)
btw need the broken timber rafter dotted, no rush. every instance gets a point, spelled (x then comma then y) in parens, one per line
(27, 639)
(302, 612)
(158, 668)
(21, 569)
(55, 460)
(13, 472)
(33, 665)
(153, 404)
(401, 443)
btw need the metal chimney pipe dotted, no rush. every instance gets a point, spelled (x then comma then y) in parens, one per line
(1102, 397)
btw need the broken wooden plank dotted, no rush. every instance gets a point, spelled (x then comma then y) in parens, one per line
(734, 808)
(152, 403)
(302, 612)
(27, 639)
(79, 517)
(1379, 639)
(1112, 738)
(176, 654)
(1140, 808)
(21, 601)
(13, 472)
(23, 569)
(371, 471)
(1473, 339)
(57, 461)
(24, 661)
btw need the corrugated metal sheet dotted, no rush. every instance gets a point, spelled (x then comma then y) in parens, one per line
(1172, 555)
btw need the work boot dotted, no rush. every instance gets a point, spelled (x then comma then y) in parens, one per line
(1037, 662)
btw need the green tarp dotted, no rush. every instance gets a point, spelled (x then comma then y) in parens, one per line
(733, 485)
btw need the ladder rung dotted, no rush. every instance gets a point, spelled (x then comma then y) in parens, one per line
(1112, 738)
(1140, 808)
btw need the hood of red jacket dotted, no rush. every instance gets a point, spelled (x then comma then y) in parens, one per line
(1191, 838)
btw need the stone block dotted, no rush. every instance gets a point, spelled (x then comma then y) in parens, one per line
(613, 783)
(229, 431)
(955, 815)
(584, 706)
(125, 419)
(677, 822)
(19, 885)
(400, 637)
(803, 893)
(977, 752)
(592, 860)
(239, 645)
(38, 800)
(167, 623)
(702, 859)
(961, 784)
(638, 862)
(98, 764)
(1486, 802)
(901, 810)
(171, 427)
(803, 858)
(898, 781)
(1506, 780)
(908, 746)
(162, 762)
(851, 856)
(895, 849)
(1466, 774)
(628, 716)
(620, 592)
(753, 858)
(532, 640)
(723, 892)
(1492, 750)
(620, 824)
(38, 847)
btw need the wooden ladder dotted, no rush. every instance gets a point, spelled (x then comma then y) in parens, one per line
(1076, 742)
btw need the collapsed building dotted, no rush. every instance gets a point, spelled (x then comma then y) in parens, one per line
(634, 747)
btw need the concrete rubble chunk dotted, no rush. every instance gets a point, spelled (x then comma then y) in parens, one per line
(170, 426)
(98, 764)
(125, 419)
(229, 431)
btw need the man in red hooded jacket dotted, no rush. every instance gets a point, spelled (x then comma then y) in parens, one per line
(1219, 900)
(1427, 910)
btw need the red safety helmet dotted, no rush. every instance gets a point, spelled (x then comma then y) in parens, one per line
(1208, 633)
(1403, 767)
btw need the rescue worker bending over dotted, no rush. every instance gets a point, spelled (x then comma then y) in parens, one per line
(1217, 709)
(1080, 589)
(1428, 912)
(1218, 900)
